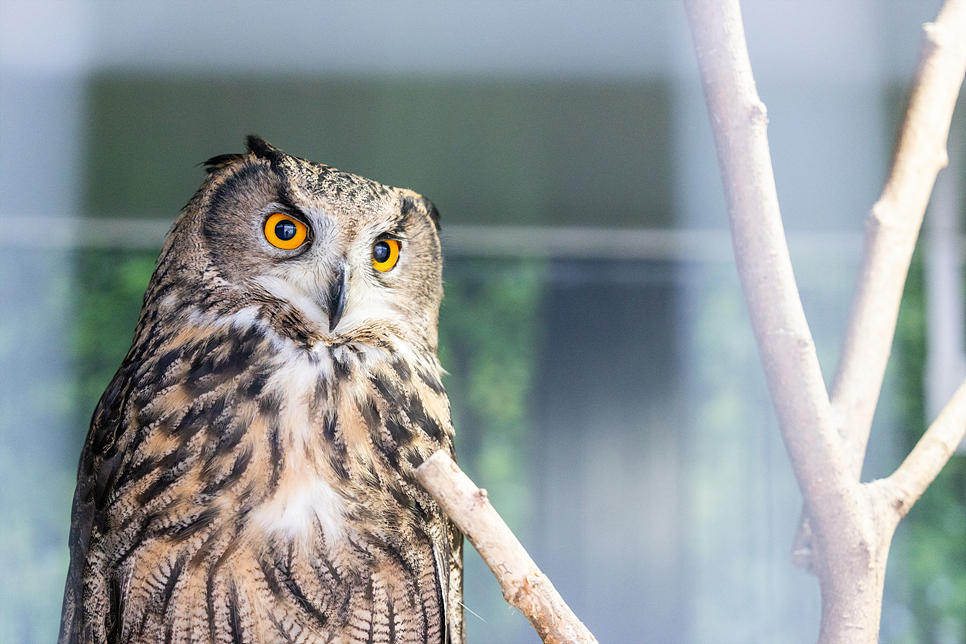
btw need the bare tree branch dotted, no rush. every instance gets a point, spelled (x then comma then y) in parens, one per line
(929, 455)
(784, 340)
(524, 586)
(853, 524)
(847, 543)
(892, 228)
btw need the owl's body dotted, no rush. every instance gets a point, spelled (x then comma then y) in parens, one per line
(248, 475)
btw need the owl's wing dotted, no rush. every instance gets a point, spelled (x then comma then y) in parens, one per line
(99, 464)
(452, 557)
(454, 603)
(448, 554)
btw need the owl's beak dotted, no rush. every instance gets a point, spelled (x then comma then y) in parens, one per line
(335, 301)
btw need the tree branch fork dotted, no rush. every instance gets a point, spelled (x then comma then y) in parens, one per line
(847, 526)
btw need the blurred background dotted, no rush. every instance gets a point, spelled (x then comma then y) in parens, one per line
(605, 385)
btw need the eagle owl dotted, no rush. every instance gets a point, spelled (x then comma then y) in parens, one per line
(248, 475)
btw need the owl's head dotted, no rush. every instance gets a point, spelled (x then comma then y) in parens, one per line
(322, 255)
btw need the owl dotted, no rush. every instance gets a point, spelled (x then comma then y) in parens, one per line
(248, 474)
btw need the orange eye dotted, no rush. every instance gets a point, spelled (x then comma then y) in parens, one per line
(284, 232)
(385, 254)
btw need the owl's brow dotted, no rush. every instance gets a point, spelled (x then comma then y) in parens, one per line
(395, 229)
(284, 199)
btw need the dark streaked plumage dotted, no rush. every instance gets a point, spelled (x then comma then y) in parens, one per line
(248, 475)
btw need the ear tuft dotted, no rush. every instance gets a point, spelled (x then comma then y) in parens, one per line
(261, 148)
(433, 213)
(222, 160)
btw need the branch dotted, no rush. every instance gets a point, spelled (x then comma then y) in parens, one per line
(893, 226)
(929, 455)
(851, 522)
(524, 586)
(784, 341)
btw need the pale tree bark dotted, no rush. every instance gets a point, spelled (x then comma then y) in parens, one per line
(524, 586)
(893, 224)
(851, 523)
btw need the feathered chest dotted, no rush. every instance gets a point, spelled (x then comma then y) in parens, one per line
(245, 471)
(240, 422)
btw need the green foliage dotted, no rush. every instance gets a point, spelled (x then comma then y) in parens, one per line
(489, 340)
(108, 287)
(488, 344)
(934, 570)
(109, 296)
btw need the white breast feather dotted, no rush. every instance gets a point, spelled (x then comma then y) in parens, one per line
(292, 512)
(303, 495)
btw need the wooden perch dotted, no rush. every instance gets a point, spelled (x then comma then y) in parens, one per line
(524, 586)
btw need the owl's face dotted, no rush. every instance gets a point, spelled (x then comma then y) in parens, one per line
(344, 255)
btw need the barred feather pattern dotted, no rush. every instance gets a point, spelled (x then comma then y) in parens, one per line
(248, 478)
